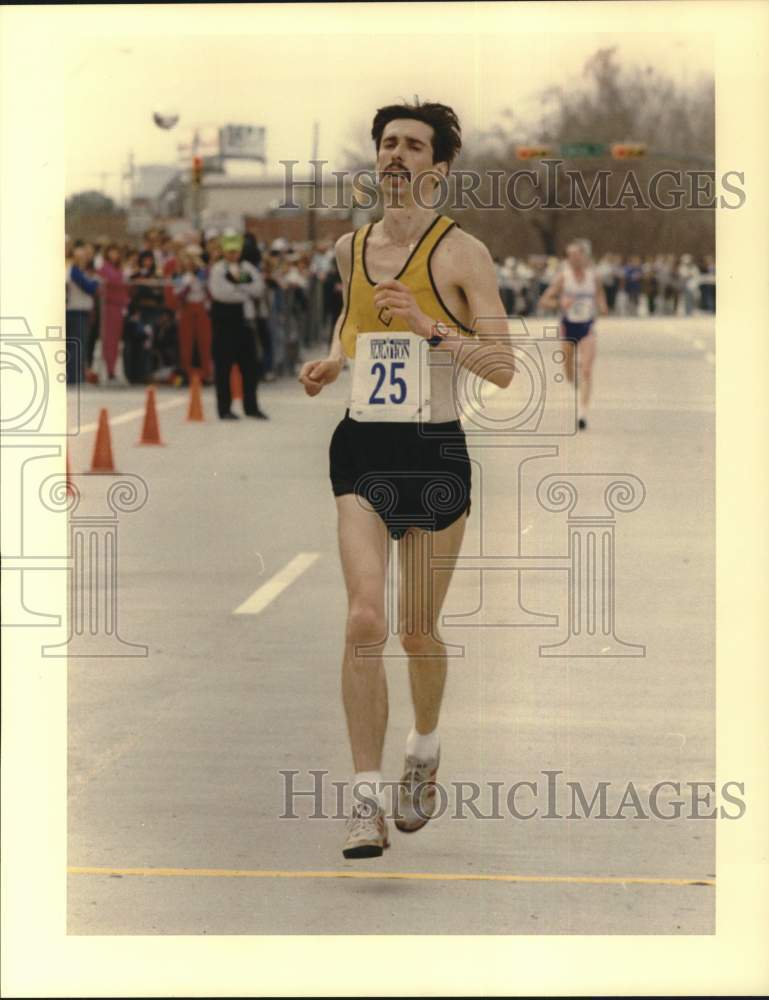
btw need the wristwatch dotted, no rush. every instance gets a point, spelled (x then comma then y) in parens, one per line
(440, 331)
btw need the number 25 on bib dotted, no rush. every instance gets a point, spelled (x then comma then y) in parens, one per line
(391, 378)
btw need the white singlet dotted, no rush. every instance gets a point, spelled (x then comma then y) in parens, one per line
(581, 308)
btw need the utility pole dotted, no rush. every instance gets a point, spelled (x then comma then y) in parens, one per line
(128, 175)
(197, 180)
(311, 228)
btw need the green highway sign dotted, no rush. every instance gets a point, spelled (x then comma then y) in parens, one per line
(614, 150)
(583, 149)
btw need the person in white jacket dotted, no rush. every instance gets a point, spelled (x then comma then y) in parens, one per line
(689, 275)
(234, 285)
(81, 291)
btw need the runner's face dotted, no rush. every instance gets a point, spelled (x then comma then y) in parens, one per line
(405, 153)
(576, 257)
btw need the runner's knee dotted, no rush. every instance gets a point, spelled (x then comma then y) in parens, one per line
(365, 623)
(417, 643)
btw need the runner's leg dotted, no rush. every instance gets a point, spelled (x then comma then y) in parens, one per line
(363, 548)
(587, 350)
(568, 359)
(422, 592)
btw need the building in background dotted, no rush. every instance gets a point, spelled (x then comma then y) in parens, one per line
(258, 203)
(151, 181)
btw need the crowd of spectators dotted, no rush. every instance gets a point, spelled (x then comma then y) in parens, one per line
(663, 285)
(150, 304)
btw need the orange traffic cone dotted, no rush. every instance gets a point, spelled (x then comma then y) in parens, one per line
(195, 411)
(236, 382)
(150, 431)
(102, 451)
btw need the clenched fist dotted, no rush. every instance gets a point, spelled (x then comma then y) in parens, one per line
(399, 300)
(315, 374)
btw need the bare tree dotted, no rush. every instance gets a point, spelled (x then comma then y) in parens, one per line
(607, 104)
(358, 152)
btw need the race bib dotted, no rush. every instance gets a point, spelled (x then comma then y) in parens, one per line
(391, 378)
(580, 310)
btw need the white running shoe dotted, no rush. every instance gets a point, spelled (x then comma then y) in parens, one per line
(416, 793)
(367, 835)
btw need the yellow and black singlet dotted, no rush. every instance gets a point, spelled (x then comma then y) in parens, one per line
(361, 314)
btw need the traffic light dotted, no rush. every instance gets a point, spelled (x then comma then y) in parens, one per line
(197, 169)
(628, 150)
(533, 152)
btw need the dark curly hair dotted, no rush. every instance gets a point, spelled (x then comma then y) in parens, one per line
(447, 137)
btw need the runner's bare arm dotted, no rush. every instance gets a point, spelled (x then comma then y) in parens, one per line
(551, 294)
(316, 374)
(343, 251)
(600, 298)
(490, 353)
(467, 264)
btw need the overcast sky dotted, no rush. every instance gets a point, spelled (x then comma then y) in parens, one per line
(286, 81)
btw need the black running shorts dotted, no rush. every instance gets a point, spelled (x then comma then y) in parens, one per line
(413, 475)
(575, 331)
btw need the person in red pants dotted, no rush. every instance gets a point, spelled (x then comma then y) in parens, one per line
(115, 298)
(192, 303)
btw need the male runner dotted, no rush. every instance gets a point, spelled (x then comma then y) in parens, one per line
(412, 277)
(577, 291)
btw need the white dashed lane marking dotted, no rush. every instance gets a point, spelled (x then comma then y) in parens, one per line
(129, 415)
(274, 587)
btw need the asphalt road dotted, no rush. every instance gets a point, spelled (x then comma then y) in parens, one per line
(229, 574)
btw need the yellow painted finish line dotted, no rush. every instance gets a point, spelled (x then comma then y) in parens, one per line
(411, 876)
